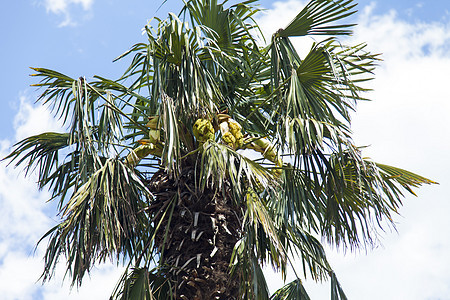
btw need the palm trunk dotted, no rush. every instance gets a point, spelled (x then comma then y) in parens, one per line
(197, 241)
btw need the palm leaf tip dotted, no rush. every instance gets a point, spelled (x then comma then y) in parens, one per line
(319, 17)
(405, 178)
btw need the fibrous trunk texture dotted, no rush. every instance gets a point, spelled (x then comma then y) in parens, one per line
(196, 242)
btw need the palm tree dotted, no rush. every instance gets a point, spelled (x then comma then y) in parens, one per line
(213, 155)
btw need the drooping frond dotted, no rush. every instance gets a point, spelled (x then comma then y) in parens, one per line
(337, 292)
(105, 218)
(247, 267)
(41, 151)
(143, 283)
(220, 164)
(361, 196)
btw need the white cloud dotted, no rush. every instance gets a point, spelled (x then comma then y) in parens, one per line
(99, 285)
(33, 119)
(278, 16)
(25, 217)
(19, 273)
(22, 217)
(65, 7)
(22, 203)
(58, 6)
(406, 126)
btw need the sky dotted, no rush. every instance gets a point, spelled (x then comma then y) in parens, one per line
(405, 125)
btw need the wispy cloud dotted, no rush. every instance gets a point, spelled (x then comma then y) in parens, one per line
(65, 9)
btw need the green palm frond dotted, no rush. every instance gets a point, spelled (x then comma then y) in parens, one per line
(310, 250)
(404, 178)
(298, 196)
(317, 19)
(39, 150)
(228, 28)
(291, 291)
(142, 283)
(247, 268)
(57, 86)
(321, 85)
(262, 233)
(221, 164)
(104, 218)
(337, 293)
(179, 71)
(137, 286)
(359, 191)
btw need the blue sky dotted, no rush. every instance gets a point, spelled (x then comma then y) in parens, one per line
(82, 40)
(406, 126)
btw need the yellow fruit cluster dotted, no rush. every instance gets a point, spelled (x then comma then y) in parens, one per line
(203, 130)
(236, 133)
(267, 149)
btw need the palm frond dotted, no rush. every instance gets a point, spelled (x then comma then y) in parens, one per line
(322, 85)
(262, 232)
(317, 19)
(247, 267)
(137, 286)
(404, 178)
(179, 72)
(291, 291)
(310, 250)
(143, 283)
(337, 293)
(171, 152)
(360, 194)
(228, 28)
(220, 164)
(105, 218)
(40, 151)
(57, 86)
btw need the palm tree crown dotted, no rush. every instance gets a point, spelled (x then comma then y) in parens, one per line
(213, 155)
